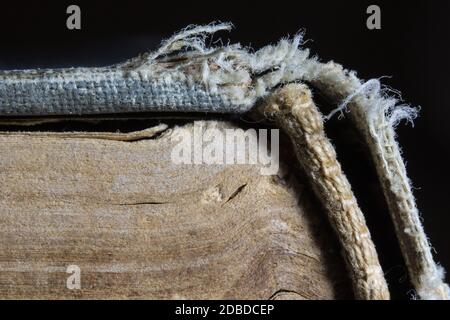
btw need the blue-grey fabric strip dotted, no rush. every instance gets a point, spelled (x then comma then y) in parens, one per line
(107, 92)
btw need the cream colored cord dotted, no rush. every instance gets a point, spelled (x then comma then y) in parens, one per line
(295, 112)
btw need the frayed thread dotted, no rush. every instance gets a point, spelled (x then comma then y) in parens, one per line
(382, 102)
(235, 72)
(430, 282)
(192, 37)
(370, 87)
(243, 76)
(375, 112)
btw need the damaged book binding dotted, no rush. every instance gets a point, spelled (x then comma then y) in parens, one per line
(185, 75)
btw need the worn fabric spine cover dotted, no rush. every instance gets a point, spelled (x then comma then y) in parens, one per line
(185, 75)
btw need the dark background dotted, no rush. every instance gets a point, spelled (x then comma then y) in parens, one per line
(412, 47)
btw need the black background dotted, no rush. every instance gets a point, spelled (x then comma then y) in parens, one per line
(412, 47)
